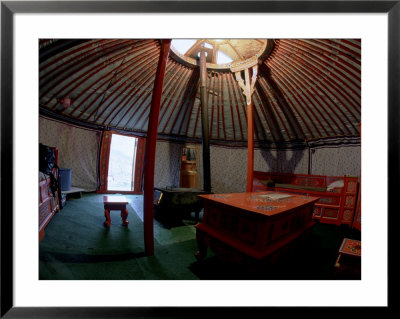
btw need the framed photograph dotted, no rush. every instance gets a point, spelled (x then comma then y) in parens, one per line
(23, 23)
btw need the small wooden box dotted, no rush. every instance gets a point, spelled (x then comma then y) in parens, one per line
(348, 262)
(350, 247)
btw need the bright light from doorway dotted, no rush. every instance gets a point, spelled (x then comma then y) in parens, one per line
(121, 165)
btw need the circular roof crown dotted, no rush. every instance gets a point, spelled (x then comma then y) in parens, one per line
(221, 53)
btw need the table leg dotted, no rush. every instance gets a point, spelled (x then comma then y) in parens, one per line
(201, 244)
(107, 223)
(124, 215)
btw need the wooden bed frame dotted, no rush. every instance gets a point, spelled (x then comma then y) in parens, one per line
(48, 202)
(336, 206)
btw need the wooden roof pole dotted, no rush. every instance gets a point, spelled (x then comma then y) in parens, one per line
(248, 88)
(250, 134)
(150, 150)
(204, 123)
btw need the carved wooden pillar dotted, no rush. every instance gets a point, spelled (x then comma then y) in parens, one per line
(150, 150)
(247, 86)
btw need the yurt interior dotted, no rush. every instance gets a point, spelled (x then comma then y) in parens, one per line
(199, 159)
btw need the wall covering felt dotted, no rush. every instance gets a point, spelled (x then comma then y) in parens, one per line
(167, 166)
(336, 161)
(229, 165)
(77, 148)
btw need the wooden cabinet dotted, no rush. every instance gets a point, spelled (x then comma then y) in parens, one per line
(49, 200)
(336, 205)
(350, 200)
(357, 217)
(357, 214)
(48, 203)
(189, 167)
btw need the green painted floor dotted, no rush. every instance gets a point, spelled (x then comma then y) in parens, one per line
(77, 246)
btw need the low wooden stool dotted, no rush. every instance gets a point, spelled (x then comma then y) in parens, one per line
(348, 262)
(115, 203)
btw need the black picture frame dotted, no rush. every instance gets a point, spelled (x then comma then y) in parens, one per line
(9, 8)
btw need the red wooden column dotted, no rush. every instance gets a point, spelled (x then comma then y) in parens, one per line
(247, 86)
(150, 150)
(250, 134)
(250, 147)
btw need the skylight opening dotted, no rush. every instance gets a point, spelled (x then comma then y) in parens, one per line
(207, 45)
(222, 58)
(221, 52)
(182, 45)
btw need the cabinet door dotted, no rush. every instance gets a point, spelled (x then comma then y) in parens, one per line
(357, 217)
(350, 199)
(189, 167)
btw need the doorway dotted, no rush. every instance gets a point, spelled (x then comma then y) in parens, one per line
(121, 164)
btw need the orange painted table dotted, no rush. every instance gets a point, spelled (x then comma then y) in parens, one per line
(254, 224)
(115, 203)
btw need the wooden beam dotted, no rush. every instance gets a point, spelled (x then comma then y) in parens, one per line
(150, 150)
(248, 86)
(250, 147)
(204, 123)
(250, 133)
